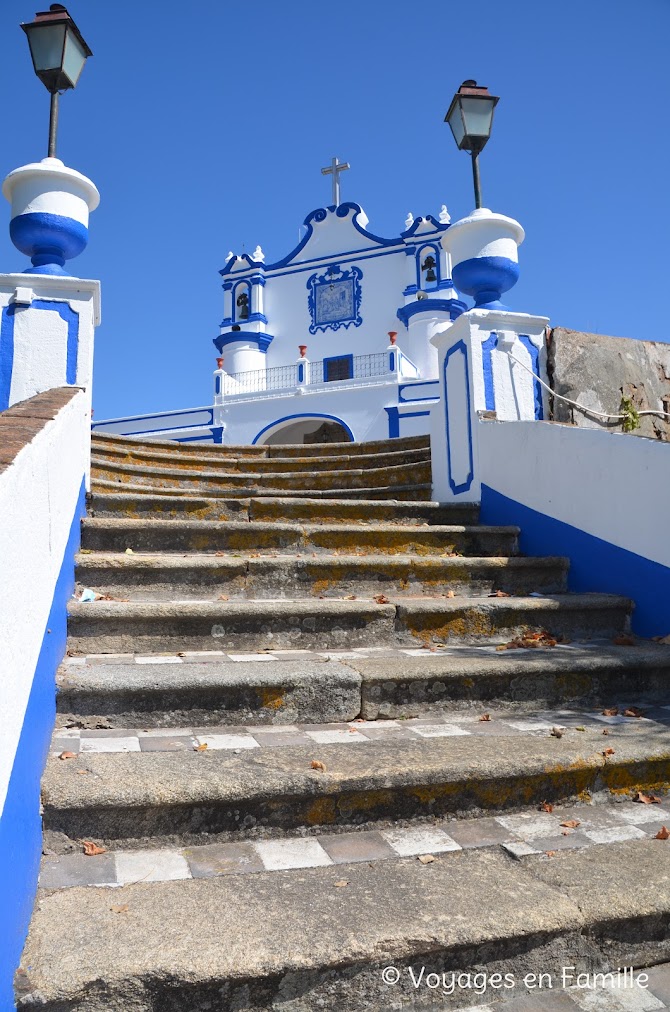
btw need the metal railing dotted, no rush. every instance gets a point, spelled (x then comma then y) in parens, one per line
(285, 377)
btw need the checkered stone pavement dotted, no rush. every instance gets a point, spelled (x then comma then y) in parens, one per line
(532, 834)
(235, 738)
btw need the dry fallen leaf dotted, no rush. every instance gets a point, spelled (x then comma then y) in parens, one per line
(222, 597)
(556, 732)
(67, 755)
(647, 799)
(607, 751)
(123, 909)
(546, 807)
(82, 773)
(202, 747)
(662, 834)
(530, 640)
(571, 823)
(550, 853)
(91, 849)
(624, 641)
(343, 882)
(633, 711)
(381, 599)
(485, 716)
(612, 712)
(450, 593)
(661, 639)
(500, 593)
(427, 858)
(579, 728)
(317, 765)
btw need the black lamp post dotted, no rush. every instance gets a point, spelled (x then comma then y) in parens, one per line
(59, 53)
(470, 117)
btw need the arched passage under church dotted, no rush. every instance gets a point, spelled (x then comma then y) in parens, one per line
(307, 428)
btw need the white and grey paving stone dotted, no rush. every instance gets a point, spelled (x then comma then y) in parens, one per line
(534, 834)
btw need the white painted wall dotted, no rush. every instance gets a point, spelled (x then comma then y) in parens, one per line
(607, 484)
(40, 335)
(38, 498)
(474, 380)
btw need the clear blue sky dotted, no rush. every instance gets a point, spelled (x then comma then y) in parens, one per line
(205, 125)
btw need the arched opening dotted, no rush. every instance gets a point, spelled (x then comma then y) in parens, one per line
(305, 429)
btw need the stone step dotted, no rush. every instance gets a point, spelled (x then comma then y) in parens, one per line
(420, 492)
(117, 535)
(138, 799)
(204, 480)
(321, 937)
(286, 510)
(113, 627)
(130, 443)
(284, 687)
(294, 577)
(230, 462)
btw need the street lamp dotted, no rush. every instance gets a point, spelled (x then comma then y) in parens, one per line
(59, 53)
(470, 117)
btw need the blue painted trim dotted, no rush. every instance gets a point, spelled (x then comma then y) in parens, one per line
(392, 358)
(157, 414)
(394, 422)
(304, 414)
(595, 564)
(301, 372)
(166, 428)
(263, 341)
(66, 313)
(334, 275)
(411, 386)
(20, 825)
(489, 344)
(258, 279)
(411, 231)
(486, 278)
(534, 353)
(337, 358)
(452, 306)
(464, 486)
(350, 256)
(319, 215)
(445, 283)
(217, 384)
(410, 290)
(394, 417)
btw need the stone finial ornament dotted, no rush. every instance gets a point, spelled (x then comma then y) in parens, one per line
(258, 255)
(409, 220)
(484, 255)
(444, 216)
(50, 209)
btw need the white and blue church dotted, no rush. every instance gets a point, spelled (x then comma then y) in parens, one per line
(332, 343)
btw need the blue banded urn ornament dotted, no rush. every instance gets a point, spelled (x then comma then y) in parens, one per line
(484, 255)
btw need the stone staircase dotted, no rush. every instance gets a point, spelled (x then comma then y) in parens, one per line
(290, 740)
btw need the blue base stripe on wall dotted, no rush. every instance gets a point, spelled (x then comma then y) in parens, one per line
(595, 565)
(20, 824)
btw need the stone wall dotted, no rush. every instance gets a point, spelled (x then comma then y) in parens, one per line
(597, 371)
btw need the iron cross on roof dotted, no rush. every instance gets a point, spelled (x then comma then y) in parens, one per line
(334, 169)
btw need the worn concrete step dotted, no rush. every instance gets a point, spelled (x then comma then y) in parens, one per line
(211, 691)
(203, 480)
(139, 799)
(114, 627)
(285, 510)
(470, 678)
(420, 492)
(117, 535)
(131, 443)
(318, 938)
(284, 687)
(207, 577)
(228, 461)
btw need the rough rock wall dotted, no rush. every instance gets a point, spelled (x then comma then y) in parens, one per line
(598, 371)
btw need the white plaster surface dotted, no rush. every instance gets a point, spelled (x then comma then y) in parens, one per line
(408, 842)
(38, 497)
(278, 855)
(608, 484)
(150, 866)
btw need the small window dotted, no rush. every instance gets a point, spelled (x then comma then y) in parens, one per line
(338, 368)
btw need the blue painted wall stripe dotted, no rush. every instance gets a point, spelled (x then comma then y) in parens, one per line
(21, 825)
(595, 564)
